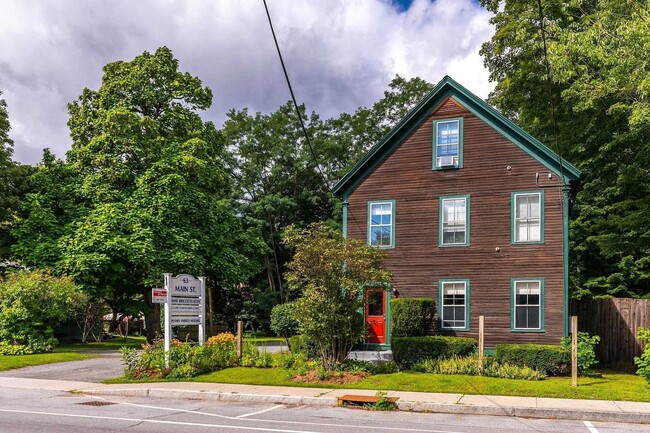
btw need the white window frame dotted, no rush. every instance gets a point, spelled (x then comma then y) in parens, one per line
(540, 304)
(456, 161)
(465, 292)
(391, 224)
(528, 220)
(452, 225)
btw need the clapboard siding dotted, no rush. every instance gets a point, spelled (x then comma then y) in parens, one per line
(417, 263)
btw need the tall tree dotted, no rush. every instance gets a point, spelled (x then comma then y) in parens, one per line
(278, 180)
(12, 183)
(151, 177)
(575, 75)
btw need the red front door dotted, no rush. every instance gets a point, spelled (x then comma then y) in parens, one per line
(376, 316)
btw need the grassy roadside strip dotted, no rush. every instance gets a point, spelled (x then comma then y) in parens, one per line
(611, 386)
(19, 361)
(112, 344)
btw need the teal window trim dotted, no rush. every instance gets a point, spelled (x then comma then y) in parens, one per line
(467, 222)
(392, 223)
(513, 209)
(434, 164)
(440, 305)
(541, 305)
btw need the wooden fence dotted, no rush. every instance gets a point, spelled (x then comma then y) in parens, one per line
(616, 321)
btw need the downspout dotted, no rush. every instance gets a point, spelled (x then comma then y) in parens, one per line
(565, 247)
(345, 215)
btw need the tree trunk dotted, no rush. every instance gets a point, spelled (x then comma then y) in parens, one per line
(152, 319)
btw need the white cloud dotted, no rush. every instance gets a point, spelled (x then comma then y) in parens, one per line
(340, 54)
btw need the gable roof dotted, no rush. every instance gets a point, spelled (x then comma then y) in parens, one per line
(447, 87)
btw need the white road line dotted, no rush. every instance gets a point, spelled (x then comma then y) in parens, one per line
(157, 421)
(591, 427)
(265, 421)
(259, 412)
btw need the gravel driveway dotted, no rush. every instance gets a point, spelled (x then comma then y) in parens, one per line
(107, 365)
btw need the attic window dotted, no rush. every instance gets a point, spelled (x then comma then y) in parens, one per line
(448, 143)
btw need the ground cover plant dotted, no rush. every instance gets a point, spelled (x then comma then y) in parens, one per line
(611, 385)
(643, 361)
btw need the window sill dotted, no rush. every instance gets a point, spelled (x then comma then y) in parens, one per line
(453, 245)
(528, 243)
(528, 331)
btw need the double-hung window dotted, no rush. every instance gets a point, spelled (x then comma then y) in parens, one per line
(381, 223)
(528, 217)
(448, 143)
(528, 305)
(454, 305)
(454, 221)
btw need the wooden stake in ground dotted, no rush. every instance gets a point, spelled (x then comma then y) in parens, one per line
(240, 338)
(574, 350)
(481, 341)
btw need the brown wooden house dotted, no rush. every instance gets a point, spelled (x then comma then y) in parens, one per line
(471, 211)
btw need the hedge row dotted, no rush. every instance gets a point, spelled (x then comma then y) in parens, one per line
(544, 358)
(411, 317)
(410, 350)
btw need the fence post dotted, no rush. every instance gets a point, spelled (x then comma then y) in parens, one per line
(481, 341)
(240, 338)
(574, 350)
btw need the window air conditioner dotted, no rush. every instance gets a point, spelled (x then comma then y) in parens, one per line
(448, 161)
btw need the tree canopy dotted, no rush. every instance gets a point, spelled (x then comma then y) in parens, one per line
(587, 91)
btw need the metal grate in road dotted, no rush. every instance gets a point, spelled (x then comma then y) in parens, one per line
(96, 403)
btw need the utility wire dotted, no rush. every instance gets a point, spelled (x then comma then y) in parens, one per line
(295, 104)
(549, 90)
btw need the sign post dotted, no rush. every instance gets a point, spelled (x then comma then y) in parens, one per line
(184, 305)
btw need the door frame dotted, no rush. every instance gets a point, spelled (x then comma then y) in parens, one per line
(387, 288)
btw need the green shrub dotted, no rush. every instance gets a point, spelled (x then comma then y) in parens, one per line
(411, 317)
(283, 322)
(185, 360)
(550, 359)
(301, 344)
(586, 351)
(643, 361)
(409, 350)
(32, 304)
(469, 366)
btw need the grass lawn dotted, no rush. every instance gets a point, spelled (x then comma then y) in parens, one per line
(264, 339)
(612, 386)
(112, 344)
(11, 362)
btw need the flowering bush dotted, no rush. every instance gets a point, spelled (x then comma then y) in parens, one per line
(185, 359)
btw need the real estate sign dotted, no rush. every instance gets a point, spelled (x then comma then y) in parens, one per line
(184, 305)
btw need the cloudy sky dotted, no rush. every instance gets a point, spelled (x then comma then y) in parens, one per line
(340, 54)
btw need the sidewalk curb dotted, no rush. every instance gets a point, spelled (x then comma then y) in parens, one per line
(217, 396)
(526, 412)
(458, 409)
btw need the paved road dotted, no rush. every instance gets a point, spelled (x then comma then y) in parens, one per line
(52, 411)
(107, 365)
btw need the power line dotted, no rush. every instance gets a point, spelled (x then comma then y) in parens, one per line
(295, 104)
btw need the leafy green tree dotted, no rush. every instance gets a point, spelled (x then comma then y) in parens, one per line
(12, 183)
(330, 271)
(586, 96)
(152, 181)
(346, 139)
(45, 213)
(278, 182)
(25, 325)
